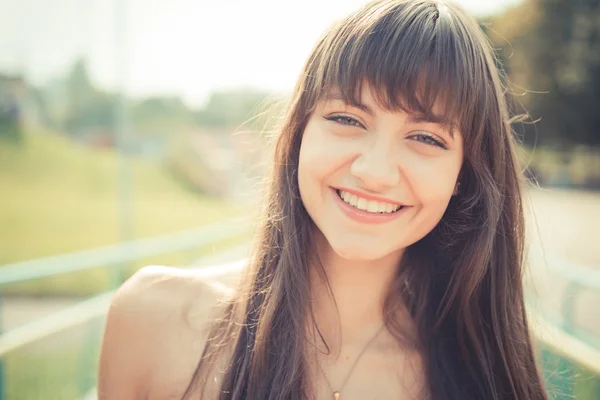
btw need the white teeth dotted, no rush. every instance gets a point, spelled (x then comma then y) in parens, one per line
(373, 206)
(362, 204)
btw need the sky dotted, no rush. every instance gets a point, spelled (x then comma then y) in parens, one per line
(179, 47)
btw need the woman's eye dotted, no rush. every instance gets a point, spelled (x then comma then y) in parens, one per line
(344, 120)
(428, 139)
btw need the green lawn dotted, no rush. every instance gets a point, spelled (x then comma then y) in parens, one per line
(59, 367)
(58, 196)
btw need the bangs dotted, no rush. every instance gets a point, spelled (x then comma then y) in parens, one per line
(415, 57)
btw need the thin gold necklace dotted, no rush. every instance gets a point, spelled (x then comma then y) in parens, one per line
(337, 393)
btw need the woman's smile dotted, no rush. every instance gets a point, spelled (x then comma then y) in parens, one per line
(396, 186)
(360, 208)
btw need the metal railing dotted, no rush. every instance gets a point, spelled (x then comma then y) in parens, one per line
(578, 278)
(94, 309)
(562, 337)
(123, 252)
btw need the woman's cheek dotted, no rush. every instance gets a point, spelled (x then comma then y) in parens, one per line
(432, 180)
(325, 150)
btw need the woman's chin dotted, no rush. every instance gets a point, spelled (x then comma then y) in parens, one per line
(360, 252)
(356, 247)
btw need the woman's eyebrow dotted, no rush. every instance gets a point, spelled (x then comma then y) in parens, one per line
(412, 118)
(336, 96)
(432, 119)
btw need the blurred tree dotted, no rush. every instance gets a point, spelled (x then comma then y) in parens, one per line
(41, 105)
(160, 116)
(551, 50)
(10, 124)
(231, 108)
(88, 108)
(12, 94)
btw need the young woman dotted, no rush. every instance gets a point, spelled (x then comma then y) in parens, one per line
(389, 261)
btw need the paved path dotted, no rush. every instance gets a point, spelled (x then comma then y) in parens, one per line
(565, 224)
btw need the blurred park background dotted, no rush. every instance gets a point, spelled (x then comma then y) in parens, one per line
(135, 133)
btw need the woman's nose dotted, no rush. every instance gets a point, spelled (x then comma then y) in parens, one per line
(377, 168)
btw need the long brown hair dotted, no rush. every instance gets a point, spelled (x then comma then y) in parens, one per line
(462, 283)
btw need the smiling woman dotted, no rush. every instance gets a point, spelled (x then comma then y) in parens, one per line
(377, 156)
(388, 263)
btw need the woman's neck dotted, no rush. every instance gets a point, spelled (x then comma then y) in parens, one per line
(353, 310)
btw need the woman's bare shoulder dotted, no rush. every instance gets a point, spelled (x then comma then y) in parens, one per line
(160, 289)
(155, 332)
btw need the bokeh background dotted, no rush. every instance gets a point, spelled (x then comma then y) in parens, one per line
(136, 132)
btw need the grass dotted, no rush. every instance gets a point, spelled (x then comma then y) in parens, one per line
(59, 196)
(55, 369)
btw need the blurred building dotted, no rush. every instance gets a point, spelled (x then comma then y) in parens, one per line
(13, 92)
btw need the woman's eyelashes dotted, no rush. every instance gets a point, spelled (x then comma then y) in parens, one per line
(421, 137)
(429, 139)
(344, 120)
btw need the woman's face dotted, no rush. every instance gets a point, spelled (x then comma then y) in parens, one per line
(374, 181)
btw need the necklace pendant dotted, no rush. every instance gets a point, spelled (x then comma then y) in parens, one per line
(336, 395)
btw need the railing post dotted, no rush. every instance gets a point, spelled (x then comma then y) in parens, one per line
(89, 355)
(568, 307)
(122, 130)
(2, 369)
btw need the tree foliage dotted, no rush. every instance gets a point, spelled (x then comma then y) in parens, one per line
(87, 107)
(551, 51)
(90, 108)
(231, 108)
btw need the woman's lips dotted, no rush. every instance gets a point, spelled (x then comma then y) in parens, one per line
(366, 216)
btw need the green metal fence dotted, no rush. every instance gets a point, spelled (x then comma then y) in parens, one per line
(56, 356)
